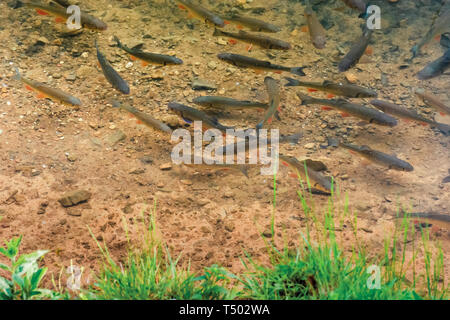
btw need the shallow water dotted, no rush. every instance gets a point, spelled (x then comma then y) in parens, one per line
(48, 148)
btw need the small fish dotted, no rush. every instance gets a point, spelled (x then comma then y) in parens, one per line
(435, 68)
(440, 25)
(201, 13)
(253, 24)
(243, 168)
(316, 179)
(46, 92)
(274, 100)
(378, 157)
(408, 114)
(252, 63)
(225, 103)
(256, 39)
(356, 4)
(110, 74)
(368, 114)
(190, 115)
(316, 30)
(441, 220)
(356, 51)
(433, 101)
(340, 89)
(61, 15)
(147, 57)
(143, 117)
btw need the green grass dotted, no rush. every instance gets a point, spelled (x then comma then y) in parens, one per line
(321, 266)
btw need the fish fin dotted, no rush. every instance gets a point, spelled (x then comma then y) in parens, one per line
(28, 87)
(291, 82)
(144, 63)
(249, 47)
(304, 29)
(284, 163)
(232, 41)
(59, 20)
(258, 71)
(186, 120)
(330, 95)
(293, 175)
(40, 95)
(326, 108)
(278, 72)
(269, 121)
(226, 22)
(240, 27)
(369, 50)
(424, 124)
(42, 12)
(438, 37)
(190, 15)
(298, 71)
(182, 7)
(138, 46)
(312, 90)
(139, 122)
(133, 57)
(352, 152)
(345, 114)
(442, 113)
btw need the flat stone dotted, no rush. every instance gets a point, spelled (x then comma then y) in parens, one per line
(115, 137)
(74, 197)
(200, 84)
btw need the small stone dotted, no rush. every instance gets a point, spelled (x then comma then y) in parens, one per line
(137, 171)
(267, 234)
(212, 65)
(310, 145)
(165, 166)
(146, 160)
(85, 54)
(186, 182)
(72, 157)
(75, 197)
(344, 177)
(115, 137)
(205, 229)
(229, 226)
(71, 77)
(200, 84)
(351, 77)
(42, 207)
(127, 209)
(129, 65)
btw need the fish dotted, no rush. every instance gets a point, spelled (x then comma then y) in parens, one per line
(340, 89)
(253, 24)
(47, 92)
(441, 220)
(61, 15)
(432, 101)
(356, 51)
(143, 117)
(110, 74)
(317, 181)
(408, 114)
(252, 63)
(256, 39)
(225, 103)
(201, 13)
(190, 115)
(440, 26)
(274, 100)
(291, 139)
(316, 30)
(243, 168)
(147, 57)
(368, 114)
(63, 3)
(356, 4)
(435, 68)
(380, 158)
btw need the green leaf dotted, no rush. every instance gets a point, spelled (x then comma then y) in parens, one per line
(17, 279)
(37, 277)
(4, 283)
(5, 267)
(31, 257)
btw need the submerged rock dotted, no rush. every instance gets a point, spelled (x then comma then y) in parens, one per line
(74, 197)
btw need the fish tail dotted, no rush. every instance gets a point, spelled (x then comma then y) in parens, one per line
(291, 82)
(444, 128)
(119, 44)
(244, 169)
(17, 76)
(298, 71)
(115, 103)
